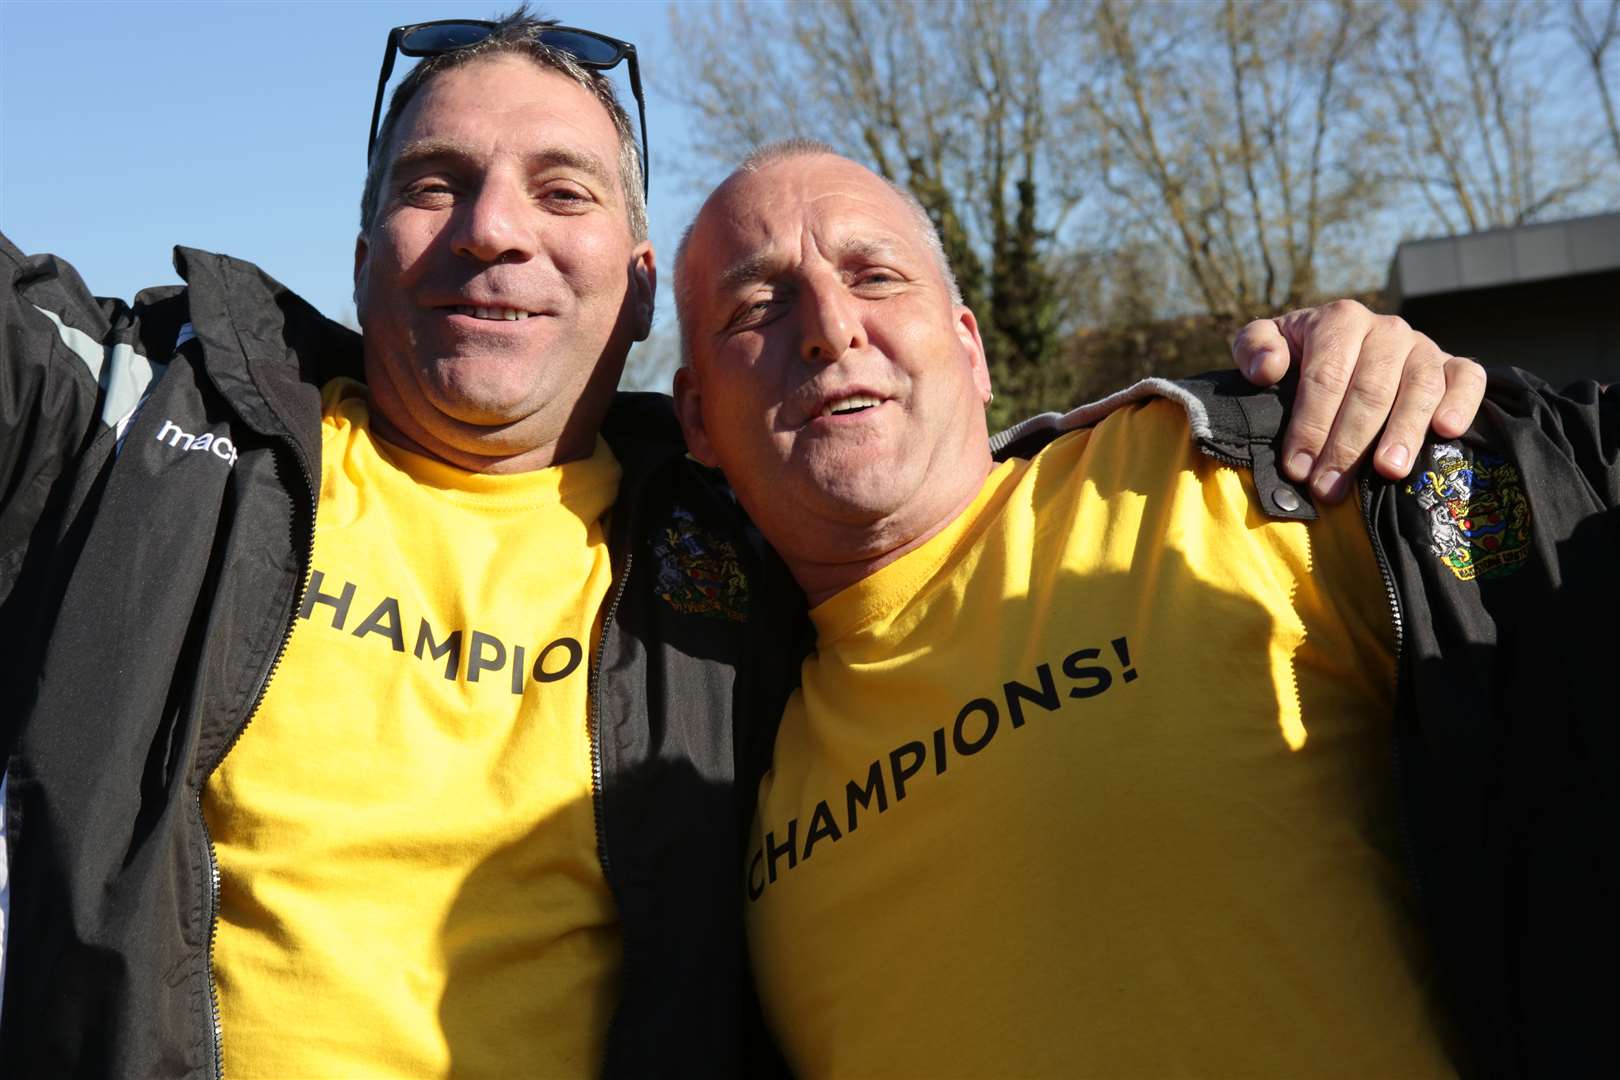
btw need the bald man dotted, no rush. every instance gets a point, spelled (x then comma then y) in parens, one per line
(1115, 756)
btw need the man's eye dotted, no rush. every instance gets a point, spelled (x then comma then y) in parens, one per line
(564, 194)
(754, 312)
(427, 191)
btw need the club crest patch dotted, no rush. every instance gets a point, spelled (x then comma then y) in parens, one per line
(698, 572)
(1479, 519)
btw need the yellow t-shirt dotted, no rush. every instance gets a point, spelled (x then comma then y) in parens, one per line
(409, 883)
(1095, 783)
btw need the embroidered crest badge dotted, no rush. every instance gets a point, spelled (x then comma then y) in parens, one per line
(698, 572)
(1479, 519)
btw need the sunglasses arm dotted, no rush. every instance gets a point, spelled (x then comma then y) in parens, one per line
(382, 85)
(641, 111)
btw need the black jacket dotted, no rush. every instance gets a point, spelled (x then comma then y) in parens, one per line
(1501, 560)
(142, 602)
(148, 584)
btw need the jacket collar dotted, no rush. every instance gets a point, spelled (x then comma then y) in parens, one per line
(265, 348)
(1229, 420)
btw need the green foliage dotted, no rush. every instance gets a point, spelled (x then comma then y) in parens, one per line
(1093, 363)
(1023, 297)
(953, 235)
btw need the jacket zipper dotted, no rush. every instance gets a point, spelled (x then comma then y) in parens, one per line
(1388, 575)
(594, 730)
(598, 799)
(1224, 458)
(1408, 851)
(258, 699)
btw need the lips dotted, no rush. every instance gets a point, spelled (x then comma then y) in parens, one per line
(854, 403)
(845, 403)
(492, 314)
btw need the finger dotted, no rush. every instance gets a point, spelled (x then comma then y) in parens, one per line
(1423, 388)
(1373, 389)
(1465, 389)
(1261, 352)
(1328, 341)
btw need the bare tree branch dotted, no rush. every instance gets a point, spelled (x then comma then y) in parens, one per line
(1595, 40)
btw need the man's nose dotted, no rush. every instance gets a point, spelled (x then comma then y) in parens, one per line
(496, 224)
(832, 322)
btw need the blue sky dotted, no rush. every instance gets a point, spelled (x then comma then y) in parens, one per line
(127, 128)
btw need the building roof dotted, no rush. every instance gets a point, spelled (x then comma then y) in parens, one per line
(1506, 256)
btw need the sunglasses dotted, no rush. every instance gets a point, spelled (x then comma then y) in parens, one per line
(588, 48)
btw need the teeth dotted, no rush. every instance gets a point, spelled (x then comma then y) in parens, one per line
(851, 404)
(497, 314)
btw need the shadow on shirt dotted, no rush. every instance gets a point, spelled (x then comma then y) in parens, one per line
(679, 1004)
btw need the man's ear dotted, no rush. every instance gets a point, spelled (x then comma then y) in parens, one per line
(967, 332)
(360, 252)
(643, 289)
(689, 411)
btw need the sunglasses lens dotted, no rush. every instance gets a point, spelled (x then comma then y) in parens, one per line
(582, 47)
(447, 37)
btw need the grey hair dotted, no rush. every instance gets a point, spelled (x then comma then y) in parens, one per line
(782, 150)
(513, 34)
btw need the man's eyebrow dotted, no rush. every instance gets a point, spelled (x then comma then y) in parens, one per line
(748, 270)
(433, 149)
(862, 247)
(763, 265)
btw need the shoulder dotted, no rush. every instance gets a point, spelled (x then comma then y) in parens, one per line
(1219, 407)
(1224, 419)
(642, 431)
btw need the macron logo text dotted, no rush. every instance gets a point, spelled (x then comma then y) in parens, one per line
(218, 445)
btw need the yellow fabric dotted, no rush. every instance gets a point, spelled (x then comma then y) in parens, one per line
(409, 882)
(1174, 858)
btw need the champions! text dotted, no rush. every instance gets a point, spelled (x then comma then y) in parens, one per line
(890, 778)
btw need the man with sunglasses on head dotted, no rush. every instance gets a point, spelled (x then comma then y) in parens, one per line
(370, 703)
(376, 697)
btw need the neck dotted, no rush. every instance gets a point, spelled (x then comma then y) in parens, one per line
(856, 552)
(541, 456)
(536, 441)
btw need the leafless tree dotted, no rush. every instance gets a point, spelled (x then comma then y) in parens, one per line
(949, 99)
(1222, 135)
(1232, 157)
(1596, 35)
(1466, 121)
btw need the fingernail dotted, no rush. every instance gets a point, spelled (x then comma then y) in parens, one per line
(1397, 457)
(1327, 485)
(1300, 465)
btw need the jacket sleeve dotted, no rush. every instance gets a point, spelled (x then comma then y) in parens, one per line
(54, 337)
(1561, 436)
(1501, 548)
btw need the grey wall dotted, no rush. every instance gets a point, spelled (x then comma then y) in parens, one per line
(1562, 329)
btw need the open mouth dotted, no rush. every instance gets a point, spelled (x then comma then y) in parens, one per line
(492, 314)
(852, 404)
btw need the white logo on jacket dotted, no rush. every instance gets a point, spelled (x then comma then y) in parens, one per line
(218, 445)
